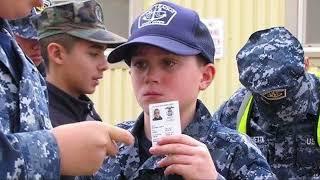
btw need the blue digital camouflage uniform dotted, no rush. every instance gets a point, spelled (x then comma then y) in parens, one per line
(282, 124)
(234, 155)
(27, 149)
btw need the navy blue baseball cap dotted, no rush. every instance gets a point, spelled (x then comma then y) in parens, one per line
(23, 27)
(171, 27)
(272, 61)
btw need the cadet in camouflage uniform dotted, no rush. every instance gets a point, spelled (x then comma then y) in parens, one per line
(80, 41)
(170, 53)
(28, 148)
(81, 58)
(282, 118)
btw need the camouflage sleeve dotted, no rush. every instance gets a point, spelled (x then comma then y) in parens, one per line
(227, 112)
(29, 155)
(127, 125)
(220, 177)
(110, 170)
(249, 163)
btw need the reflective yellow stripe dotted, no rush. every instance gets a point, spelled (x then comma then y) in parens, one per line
(242, 126)
(318, 127)
(317, 73)
(318, 131)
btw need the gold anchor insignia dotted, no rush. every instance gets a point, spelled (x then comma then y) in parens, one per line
(275, 94)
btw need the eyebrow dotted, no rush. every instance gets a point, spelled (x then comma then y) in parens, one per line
(99, 47)
(169, 54)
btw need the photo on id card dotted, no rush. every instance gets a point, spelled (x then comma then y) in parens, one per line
(164, 120)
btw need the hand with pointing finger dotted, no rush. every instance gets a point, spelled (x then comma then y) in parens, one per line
(83, 146)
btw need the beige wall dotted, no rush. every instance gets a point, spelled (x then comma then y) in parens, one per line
(114, 98)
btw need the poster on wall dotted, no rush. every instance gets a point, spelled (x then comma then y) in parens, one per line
(215, 26)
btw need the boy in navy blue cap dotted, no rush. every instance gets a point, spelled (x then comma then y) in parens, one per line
(278, 107)
(27, 37)
(170, 53)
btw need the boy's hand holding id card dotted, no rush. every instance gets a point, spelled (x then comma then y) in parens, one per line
(164, 120)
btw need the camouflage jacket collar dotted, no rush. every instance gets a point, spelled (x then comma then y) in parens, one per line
(197, 129)
(314, 98)
(4, 58)
(5, 25)
(2, 23)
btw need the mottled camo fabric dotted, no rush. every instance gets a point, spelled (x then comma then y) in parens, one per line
(27, 149)
(284, 129)
(234, 155)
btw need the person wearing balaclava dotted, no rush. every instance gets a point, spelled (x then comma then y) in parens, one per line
(278, 105)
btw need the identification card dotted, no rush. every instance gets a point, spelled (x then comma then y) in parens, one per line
(164, 120)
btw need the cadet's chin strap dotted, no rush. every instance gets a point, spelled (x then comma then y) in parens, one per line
(318, 131)
(244, 113)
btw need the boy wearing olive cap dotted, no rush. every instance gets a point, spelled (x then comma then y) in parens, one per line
(29, 147)
(73, 40)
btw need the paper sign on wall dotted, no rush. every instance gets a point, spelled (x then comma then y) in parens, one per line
(215, 26)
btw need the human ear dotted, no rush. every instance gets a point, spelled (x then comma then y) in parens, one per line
(208, 72)
(56, 53)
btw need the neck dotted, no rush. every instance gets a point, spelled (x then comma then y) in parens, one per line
(186, 117)
(61, 84)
